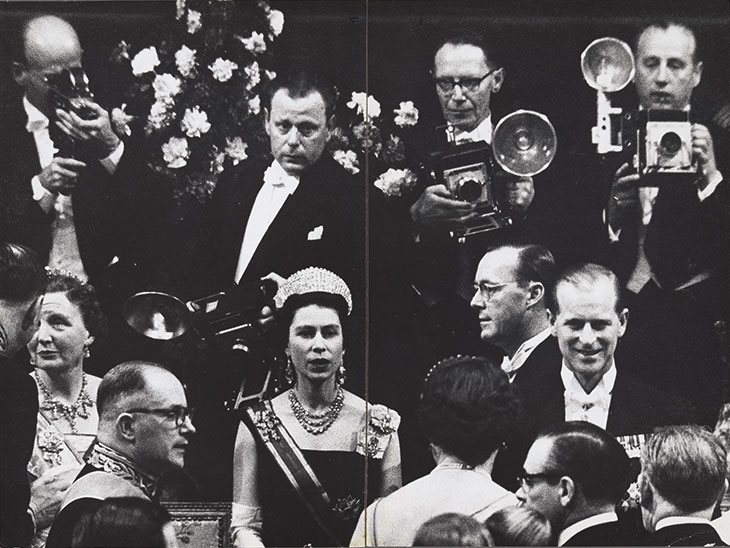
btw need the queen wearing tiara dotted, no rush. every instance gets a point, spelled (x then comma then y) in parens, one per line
(300, 459)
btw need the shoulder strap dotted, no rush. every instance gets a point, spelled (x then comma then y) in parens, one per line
(263, 422)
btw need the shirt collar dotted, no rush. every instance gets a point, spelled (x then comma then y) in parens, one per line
(570, 382)
(679, 520)
(572, 530)
(483, 132)
(275, 175)
(37, 121)
(513, 364)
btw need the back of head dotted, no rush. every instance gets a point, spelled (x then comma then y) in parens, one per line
(595, 461)
(127, 522)
(584, 276)
(468, 407)
(22, 277)
(121, 382)
(301, 82)
(520, 526)
(452, 530)
(686, 465)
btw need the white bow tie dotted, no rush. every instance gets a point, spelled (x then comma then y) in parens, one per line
(278, 177)
(578, 398)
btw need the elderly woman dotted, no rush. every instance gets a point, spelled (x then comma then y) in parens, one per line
(300, 458)
(70, 321)
(467, 409)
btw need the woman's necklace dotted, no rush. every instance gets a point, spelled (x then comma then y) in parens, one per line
(80, 408)
(316, 423)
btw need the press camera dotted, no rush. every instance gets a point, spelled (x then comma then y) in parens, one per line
(663, 144)
(69, 91)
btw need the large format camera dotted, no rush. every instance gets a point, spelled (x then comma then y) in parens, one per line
(69, 91)
(524, 144)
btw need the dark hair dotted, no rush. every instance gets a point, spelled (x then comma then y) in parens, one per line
(583, 275)
(124, 522)
(520, 526)
(452, 529)
(595, 461)
(686, 465)
(121, 381)
(285, 315)
(468, 407)
(83, 295)
(22, 277)
(665, 24)
(300, 83)
(459, 36)
(534, 263)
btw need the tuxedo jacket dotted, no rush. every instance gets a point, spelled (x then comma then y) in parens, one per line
(114, 215)
(685, 534)
(615, 533)
(320, 224)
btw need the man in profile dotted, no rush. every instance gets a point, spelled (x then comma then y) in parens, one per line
(144, 429)
(21, 285)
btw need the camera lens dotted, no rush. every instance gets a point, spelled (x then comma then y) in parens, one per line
(470, 190)
(670, 143)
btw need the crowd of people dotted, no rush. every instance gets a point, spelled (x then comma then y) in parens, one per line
(513, 388)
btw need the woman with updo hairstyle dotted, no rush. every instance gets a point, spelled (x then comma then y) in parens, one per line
(300, 459)
(468, 409)
(520, 526)
(71, 321)
(453, 530)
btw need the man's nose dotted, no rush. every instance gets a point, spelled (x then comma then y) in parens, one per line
(188, 426)
(458, 93)
(662, 73)
(292, 138)
(587, 334)
(476, 300)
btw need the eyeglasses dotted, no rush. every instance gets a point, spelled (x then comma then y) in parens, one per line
(525, 480)
(487, 291)
(471, 85)
(178, 415)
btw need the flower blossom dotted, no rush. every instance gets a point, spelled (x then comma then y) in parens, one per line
(255, 43)
(236, 149)
(406, 115)
(195, 122)
(348, 160)
(194, 21)
(166, 86)
(254, 75)
(364, 104)
(395, 182)
(175, 152)
(254, 105)
(145, 61)
(185, 61)
(159, 116)
(222, 69)
(276, 21)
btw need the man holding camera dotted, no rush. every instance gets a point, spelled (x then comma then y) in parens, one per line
(670, 240)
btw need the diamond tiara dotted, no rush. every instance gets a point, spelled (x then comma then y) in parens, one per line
(313, 280)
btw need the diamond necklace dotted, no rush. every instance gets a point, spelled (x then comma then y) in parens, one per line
(316, 423)
(80, 408)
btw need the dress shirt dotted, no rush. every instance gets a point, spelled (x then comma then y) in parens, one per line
(278, 186)
(592, 407)
(679, 520)
(483, 132)
(513, 364)
(572, 530)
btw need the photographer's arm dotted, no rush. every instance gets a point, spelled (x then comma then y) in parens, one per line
(435, 208)
(703, 150)
(623, 202)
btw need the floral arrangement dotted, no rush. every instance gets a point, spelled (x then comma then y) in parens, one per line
(195, 92)
(373, 438)
(367, 135)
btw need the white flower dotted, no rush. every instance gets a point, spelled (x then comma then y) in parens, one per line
(145, 61)
(216, 165)
(364, 104)
(236, 149)
(395, 182)
(159, 116)
(176, 152)
(194, 24)
(276, 21)
(348, 160)
(222, 69)
(270, 74)
(255, 43)
(120, 120)
(166, 86)
(195, 122)
(406, 115)
(254, 105)
(254, 75)
(185, 61)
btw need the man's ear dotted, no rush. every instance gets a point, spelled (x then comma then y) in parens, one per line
(537, 292)
(19, 73)
(497, 79)
(566, 490)
(125, 426)
(267, 114)
(552, 318)
(623, 319)
(697, 74)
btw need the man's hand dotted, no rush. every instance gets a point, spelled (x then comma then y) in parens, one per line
(624, 199)
(436, 207)
(266, 314)
(61, 175)
(704, 152)
(520, 193)
(47, 492)
(97, 132)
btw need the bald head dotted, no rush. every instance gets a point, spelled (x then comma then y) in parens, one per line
(49, 44)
